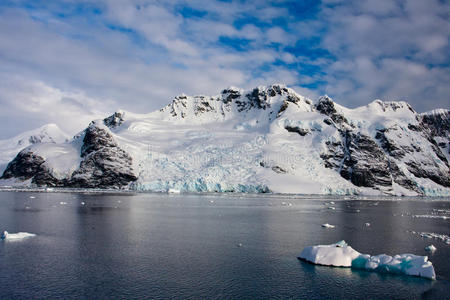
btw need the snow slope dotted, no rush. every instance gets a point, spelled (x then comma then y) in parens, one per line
(265, 139)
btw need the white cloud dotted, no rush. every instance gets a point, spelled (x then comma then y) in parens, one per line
(138, 54)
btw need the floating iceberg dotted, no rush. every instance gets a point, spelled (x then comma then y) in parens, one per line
(430, 248)
(342, 255)
(16, 236)
(326, 225)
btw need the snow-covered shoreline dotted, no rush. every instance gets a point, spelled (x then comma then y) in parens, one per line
(319, 197)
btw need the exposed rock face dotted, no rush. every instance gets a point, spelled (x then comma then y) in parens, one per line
(359, 159)
(24, 166)
(385, 146)
(27, 165)
(326, 106)
(115, 120)
(230, 94)
(298, 130)
(375, 161)
(364, 162)
(104, 164)
(417, 160)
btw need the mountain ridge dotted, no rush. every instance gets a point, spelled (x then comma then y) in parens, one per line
(265, 139)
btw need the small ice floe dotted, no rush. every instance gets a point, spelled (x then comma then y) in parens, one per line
(431, 217)
(326, 225)
(32, 197)
(173, 191)
(341, 254)
(6, 236)
(63, 203)
(367, 224)
(430, 248)
(83, 203)
(332, 207)
(332, 202)
(239, 245)
(431, 235)
(211, 201)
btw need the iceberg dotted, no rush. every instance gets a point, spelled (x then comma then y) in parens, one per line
(326, 225)
(341, 254)
(6, 236)
(430, 248)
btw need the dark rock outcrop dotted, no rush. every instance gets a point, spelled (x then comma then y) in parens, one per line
(27, 165)
(326, 106)
(365, 164)
(104, 164)
(24, 166)
(296, 129)
(115, 120)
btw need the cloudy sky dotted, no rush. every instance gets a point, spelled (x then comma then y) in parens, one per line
(70, 61)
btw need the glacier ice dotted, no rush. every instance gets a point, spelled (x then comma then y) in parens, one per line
(268, 139)
(340, 254)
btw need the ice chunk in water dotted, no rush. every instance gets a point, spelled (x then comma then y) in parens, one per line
(430, 248)
(342, 255)
(326, 225)
(15, 236)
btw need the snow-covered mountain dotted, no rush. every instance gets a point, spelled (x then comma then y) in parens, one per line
(261, 140)
(49, 133)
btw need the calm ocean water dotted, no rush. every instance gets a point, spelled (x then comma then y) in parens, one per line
(97, 246)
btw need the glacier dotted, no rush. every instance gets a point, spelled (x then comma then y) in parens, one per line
(265, 140)
(340, 254)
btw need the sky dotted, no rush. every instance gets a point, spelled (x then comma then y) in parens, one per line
(71, 61)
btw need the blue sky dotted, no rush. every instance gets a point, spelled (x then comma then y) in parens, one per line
(69, 61)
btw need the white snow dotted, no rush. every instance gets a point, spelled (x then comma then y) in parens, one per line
(206, 144)
(342, 255)
(6, 236)
(61, 159)
(9, 148)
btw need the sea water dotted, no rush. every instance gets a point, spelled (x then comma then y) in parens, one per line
(138, 246)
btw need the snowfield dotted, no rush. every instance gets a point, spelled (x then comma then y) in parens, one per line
(269, 139)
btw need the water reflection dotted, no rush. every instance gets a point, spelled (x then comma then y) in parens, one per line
(193, 246)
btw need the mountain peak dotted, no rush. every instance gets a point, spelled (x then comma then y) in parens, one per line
(392, 106)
